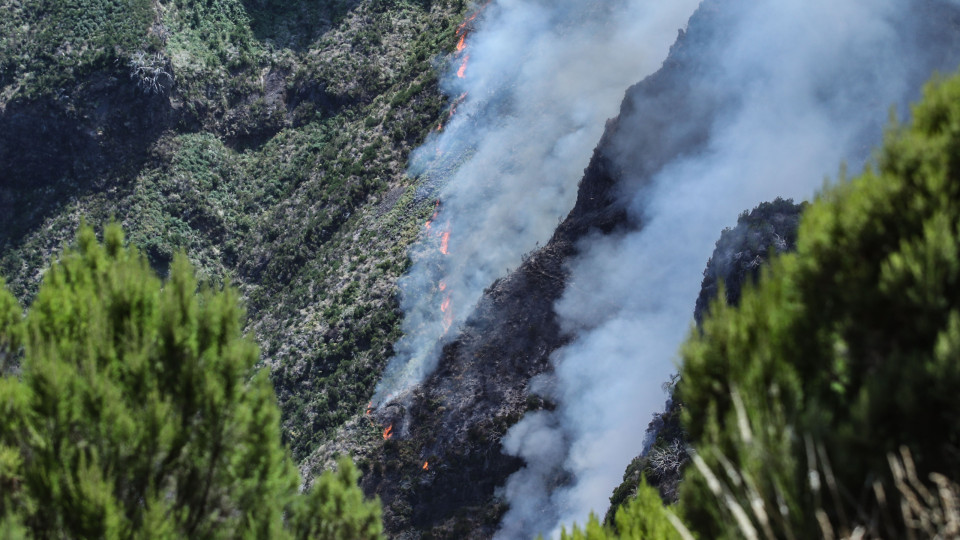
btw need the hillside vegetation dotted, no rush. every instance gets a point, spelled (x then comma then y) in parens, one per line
(266, 139)
(825, 404)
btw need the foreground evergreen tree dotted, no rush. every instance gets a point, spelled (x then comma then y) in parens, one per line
(137, 412)
(800, 399)
(828, 402)
(641, 518)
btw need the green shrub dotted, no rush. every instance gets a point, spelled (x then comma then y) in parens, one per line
(44, 44)
(138, 413)
(846, 350)
(826, 403)
(643, 518)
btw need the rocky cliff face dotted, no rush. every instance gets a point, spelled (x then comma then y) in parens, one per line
(741, 252)
(737, 259)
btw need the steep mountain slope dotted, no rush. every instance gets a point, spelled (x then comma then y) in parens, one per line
(736, 262)
(441, 466)
(457, 420)
(268, 140)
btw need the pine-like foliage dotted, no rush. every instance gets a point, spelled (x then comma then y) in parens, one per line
(643, 518)
(137, 413)
(798, 399)
(827, 404)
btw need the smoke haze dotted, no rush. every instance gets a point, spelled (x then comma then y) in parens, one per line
(799, 87)
(540, 77)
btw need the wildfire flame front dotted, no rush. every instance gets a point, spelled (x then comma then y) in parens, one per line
(436, 211)
(445, 243)
(447, 313)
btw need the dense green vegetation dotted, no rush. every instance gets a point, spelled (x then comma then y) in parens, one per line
(825, 400)
(44, 45)
(136, 412)
(275, 159)
(852, 343)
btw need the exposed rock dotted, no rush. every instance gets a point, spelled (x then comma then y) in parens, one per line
(743, 250)
(739, 255)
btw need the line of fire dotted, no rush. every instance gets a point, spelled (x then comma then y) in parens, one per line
(442, 234)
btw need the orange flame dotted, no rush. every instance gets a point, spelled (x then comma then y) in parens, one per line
(456, 103)
(442, 285)
(463, 26)
(463, 67)
(447, 313)
(462, 32)
(462, 29)
(447, 321)
(453, 110)
(445, 242)
(369, 407)
(426, 465)
(387, 432)
(436, 211)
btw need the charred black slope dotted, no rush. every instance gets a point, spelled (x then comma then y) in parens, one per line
(440, 471)
(455, 422)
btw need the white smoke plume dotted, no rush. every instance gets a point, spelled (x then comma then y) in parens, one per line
(802, 86)
(539, 79)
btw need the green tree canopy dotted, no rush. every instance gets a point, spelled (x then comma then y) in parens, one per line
(641, 518)
(846, 350)
(137, 412)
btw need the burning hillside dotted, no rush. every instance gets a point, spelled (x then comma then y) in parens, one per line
(487, 376)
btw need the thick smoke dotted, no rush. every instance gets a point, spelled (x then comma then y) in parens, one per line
(540, 79)
(801, 86)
